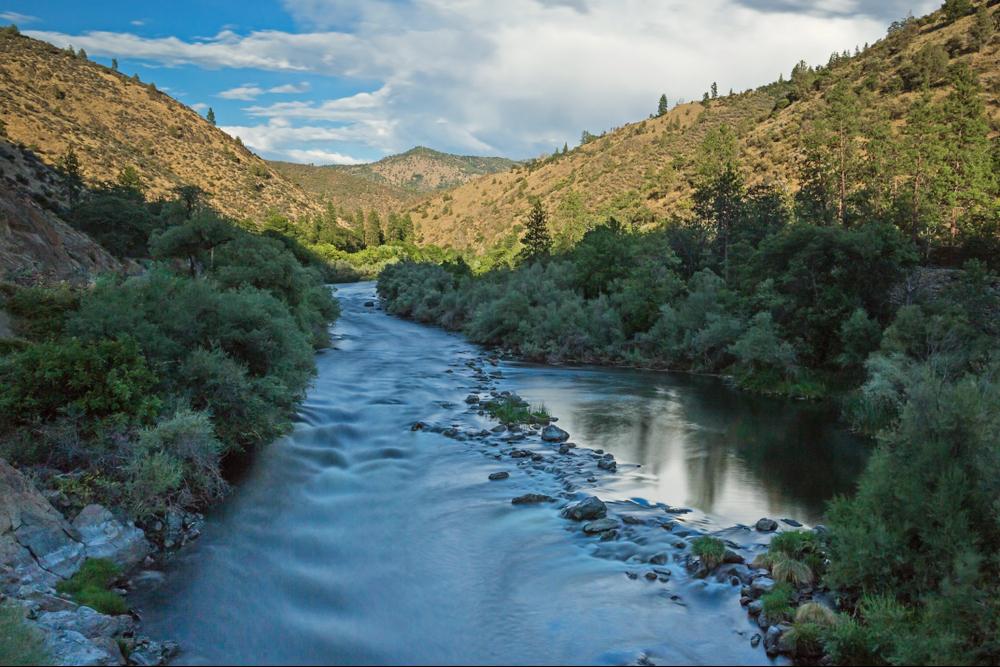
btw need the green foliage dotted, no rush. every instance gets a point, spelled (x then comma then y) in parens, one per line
(509, 410)
(117, 217)
(90, 586)
(41, 312)
(536, 242)
(101, 380)
(710, 550)
(791, 570)
(19, 643)
(176, 464)
(777, 604)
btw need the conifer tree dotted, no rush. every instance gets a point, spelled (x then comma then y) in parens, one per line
(373, 230)
(210, 116)
(663, 107)
(536, 242)
(956, 9)
(982, 28)
(114, 64)
(715, 90)
(69, 168)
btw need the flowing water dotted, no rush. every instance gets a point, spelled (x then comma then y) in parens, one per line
(358, 540)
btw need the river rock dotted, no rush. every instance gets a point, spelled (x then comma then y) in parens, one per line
(600, 526)
(103, 536)
(607, 464)
(532, 499)
(89, 623)
(588, 509)
(792, 522)
(766, 525)
(496, 476)
(553, 433)
(148, 652)
(69, 647)
(37, 545)
(772, 639)
(761, 585)
(471, 399)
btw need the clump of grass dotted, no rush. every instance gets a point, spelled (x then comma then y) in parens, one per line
(791, 571)
(19, 643)
(710, 550)
(511, 410)
(777, 605)
(815, 613)
(794, 543)
(90, 586)
(805, 639)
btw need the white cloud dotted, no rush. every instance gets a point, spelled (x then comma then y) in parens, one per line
(18, 18)
(290, 88)
(138, 22)
(246, 92)
(513, 78)
(199, 106)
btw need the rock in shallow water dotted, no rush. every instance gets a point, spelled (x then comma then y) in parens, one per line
(496, 476)
(553, 433)
(106, 537)
(766, 525)
(600, 526)
(589, 509)
(532, 499)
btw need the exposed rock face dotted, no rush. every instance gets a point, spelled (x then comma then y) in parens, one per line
(36, 245)
(106, 537)
(37, 545)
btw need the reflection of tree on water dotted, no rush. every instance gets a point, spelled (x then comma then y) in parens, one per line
(790, 452)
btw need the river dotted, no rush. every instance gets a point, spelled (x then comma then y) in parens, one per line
(358, 540)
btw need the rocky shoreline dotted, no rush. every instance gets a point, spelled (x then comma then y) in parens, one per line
(654, 542)
(40, 548)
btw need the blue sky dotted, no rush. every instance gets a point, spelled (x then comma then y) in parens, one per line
(339, 81)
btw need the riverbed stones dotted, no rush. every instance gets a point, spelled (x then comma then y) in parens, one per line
(599, 526)
(497, 476)
(553, 433)
(472, 399)
(532, 499)
(792, 522)
(761, 585)
(588, 509)
(766, 525)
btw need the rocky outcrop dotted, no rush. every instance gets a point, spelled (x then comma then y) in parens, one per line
(38, 548)
(104, 536)
(36, 246)
(37, 545)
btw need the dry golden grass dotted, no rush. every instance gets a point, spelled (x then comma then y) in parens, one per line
(51, 100)
(653, 157)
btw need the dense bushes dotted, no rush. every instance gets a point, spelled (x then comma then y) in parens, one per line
(806, 306)
(21, 644)
(151, 381)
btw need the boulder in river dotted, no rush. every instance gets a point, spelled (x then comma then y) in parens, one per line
(532, 499)
(588, 509)
(766, 525)
(600, 525)
(496, 476)
(553, 433)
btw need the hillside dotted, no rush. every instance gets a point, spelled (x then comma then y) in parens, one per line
(394, 182)
(52, 101)
(642, 172)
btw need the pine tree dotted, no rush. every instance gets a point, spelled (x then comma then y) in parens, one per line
(956, 9)
(373, 230)
(565, 148)
(210, 116)
(114, 64)
(129, 179)
(81, 54)
(662, 107)
(970, 180)
(923, 154)
(982, 28)
(536, 242)
(69, 168)
(715, 90)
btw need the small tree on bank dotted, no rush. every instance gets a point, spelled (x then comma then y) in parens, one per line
(536, 242)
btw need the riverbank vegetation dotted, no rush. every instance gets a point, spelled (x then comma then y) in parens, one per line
(144, 386)
(875, 283)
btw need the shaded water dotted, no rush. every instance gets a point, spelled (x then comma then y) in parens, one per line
(357, 540)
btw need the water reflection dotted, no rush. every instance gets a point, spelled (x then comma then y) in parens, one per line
(707, 446)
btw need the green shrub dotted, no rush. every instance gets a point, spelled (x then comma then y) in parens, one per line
(40, 313)
(103, 379)
(90, 586)
(849, 642)
(509, 410)
(805, 640)
(710, 550)
(19, 643)
(176, 464)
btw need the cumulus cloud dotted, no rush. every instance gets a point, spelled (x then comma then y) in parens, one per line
(513, 78)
